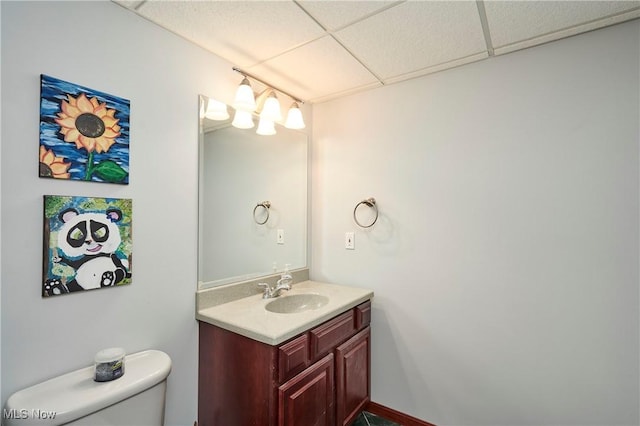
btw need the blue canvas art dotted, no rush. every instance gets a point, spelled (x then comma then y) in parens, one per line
(84, 133)
(87, 243)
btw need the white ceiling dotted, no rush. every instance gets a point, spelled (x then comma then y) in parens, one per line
(319, 50)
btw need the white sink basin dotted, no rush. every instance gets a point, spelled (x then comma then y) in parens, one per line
(249, 317)
(297, 303)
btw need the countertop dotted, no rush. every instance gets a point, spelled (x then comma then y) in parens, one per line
(248, 317)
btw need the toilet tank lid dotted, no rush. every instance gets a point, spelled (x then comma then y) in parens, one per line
(75, 395)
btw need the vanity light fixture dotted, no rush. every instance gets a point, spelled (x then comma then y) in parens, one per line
(216, 110)
(294, 118)
(266, 104)
(266, 127)
(242, 119)
(244, 100)
(271, 108)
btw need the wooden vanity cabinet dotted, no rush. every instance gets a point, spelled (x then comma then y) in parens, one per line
(318, 378)
(308, 399)
(353, 373)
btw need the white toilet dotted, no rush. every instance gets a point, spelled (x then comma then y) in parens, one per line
(137, 398)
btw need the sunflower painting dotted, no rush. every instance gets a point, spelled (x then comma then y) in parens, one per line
(84, 133)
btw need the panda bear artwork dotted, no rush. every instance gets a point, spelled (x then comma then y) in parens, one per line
(87, 243)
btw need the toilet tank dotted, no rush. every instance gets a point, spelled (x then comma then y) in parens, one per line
(75, 398)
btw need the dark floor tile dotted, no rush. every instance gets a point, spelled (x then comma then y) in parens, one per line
(360, 421)
(374, 420)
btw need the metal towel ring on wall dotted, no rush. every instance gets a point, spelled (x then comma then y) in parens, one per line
(265, 205)
(371, 202)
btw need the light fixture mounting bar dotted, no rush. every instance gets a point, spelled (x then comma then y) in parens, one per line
(253, 77)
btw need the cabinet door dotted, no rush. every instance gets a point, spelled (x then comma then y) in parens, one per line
(236, 380)
(353, 385)
(308, 398)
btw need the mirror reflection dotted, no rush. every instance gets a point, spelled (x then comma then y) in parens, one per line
(253, 201)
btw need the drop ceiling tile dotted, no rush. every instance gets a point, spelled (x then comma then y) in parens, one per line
(414, 36)
(316, 70)
(518, 24)
(284, 42)
(243, 32)
(336, 14)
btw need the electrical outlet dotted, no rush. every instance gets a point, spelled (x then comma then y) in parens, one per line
(280, 236)
(349, 241)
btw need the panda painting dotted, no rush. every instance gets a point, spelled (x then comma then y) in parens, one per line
(86, 253)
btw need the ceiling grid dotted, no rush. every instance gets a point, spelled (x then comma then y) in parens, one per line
(324, 49)
(485, 27)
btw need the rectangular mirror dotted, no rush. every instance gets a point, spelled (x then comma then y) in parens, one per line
(253, 201)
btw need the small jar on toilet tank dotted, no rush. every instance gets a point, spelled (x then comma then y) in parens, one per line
(108, 364)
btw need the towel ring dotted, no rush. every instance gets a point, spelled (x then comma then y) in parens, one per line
(371, 202)
(265, 205)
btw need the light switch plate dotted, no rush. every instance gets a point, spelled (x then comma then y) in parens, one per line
(349, 241)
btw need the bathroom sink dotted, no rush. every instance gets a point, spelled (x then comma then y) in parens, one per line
(297, 303)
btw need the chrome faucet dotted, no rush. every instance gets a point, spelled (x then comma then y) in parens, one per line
(284, 283)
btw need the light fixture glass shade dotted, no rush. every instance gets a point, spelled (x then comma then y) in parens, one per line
(202, 108)
(271, 108)
(216, 110)
(294, 118)
(245, 100)
(266, 127)
(243, 120)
